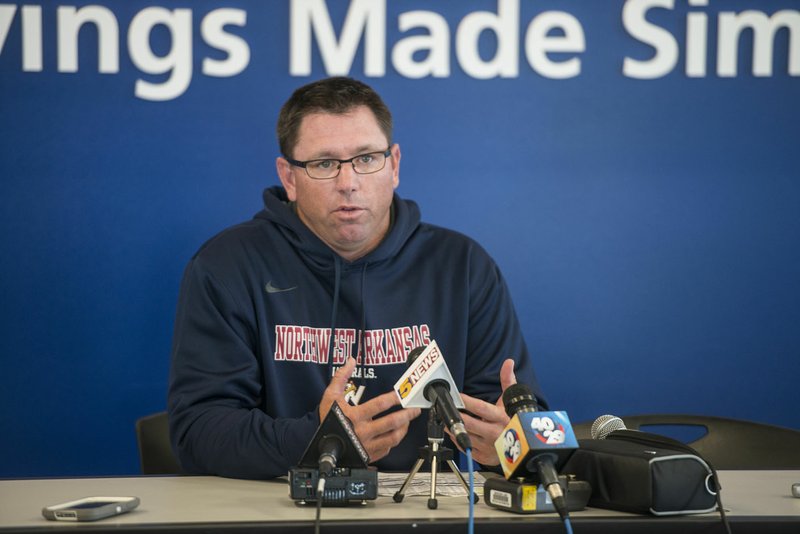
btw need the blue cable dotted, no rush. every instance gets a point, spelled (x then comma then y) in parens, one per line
(471, 496)
(568, 525)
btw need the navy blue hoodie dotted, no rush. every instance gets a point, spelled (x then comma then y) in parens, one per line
(252, 339)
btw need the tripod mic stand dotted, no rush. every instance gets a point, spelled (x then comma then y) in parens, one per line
(435, 454)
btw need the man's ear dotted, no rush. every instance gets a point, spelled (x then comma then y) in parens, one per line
(396, 165)
(286, 176)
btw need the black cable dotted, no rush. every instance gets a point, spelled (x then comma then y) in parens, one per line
(320, 494)
(723, 516)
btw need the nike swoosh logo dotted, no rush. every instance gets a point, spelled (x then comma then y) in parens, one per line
(272, 289)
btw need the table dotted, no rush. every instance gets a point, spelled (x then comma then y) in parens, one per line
(760, 502)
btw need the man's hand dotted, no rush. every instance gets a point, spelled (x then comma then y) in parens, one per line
(489, 419)
(378, 435)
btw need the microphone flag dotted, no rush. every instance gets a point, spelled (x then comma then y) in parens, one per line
(531, 435)
(426, 368)
(336, 426)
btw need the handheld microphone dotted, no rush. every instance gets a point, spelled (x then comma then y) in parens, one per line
(518, 398)
(535, 443)
(427, 382)
(605, 425)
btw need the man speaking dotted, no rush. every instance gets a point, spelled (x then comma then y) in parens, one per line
(321, 297)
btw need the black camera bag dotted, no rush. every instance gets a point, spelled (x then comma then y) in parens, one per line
(645, 473)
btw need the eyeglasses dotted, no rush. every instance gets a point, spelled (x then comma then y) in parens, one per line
(325, 169)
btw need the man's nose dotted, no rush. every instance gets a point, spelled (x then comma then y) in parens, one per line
(348, 178)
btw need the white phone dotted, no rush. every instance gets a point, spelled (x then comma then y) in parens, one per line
(90, 508)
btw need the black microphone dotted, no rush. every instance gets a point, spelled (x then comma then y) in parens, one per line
(518, 398)
(438, 392)
(427, 382)
(330, 450)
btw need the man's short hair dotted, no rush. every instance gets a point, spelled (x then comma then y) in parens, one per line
(337, 95)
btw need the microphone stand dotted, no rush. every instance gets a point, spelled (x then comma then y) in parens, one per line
(435, 454)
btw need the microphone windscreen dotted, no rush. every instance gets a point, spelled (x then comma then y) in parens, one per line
(518, 398)
(605, 425)
(414, 354)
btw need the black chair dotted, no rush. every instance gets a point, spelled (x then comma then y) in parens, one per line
(155, 450)
(727, 443)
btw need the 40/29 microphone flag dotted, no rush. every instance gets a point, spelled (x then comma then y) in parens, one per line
(531, 434)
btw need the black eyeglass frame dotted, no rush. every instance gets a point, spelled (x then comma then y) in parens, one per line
(304, 164)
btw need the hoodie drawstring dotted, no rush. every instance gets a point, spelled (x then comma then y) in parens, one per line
(337, 266)
(362, 346)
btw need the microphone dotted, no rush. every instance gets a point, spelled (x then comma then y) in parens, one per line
(334, 456)
(518, 398)
(427, 382)
(330, 449)
(605, 425)
(334, 445)
(535, 443)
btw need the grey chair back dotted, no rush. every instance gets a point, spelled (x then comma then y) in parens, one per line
(155, 450)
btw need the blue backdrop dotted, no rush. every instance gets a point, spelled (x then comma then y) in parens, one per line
(631, 165)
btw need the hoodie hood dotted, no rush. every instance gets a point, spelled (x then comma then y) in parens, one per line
(406, 219)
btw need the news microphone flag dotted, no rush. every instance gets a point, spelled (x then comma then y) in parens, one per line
(530, 435)
(426, 368)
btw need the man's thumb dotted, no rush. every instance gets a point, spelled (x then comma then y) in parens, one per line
(507, 376)
(343, 374)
